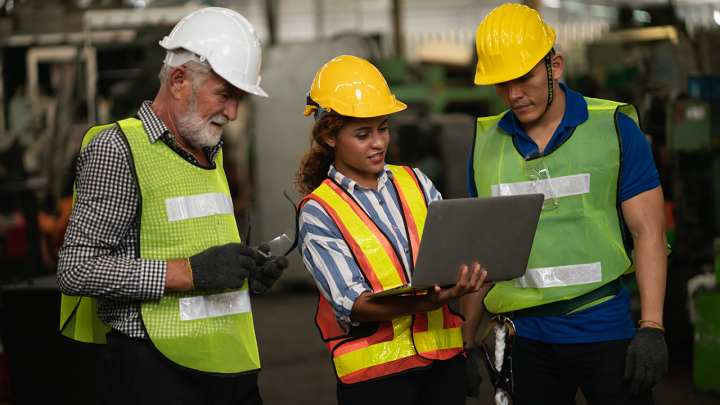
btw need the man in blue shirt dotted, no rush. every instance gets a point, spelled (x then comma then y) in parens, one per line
(571, 312)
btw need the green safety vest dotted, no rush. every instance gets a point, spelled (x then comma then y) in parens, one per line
(184, 210)
(579, 246)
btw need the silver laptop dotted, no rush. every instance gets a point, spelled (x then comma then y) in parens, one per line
(496, 232)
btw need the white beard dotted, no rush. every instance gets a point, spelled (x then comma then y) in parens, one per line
(199, 133)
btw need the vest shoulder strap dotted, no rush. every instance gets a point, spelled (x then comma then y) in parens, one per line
(90, 134)
(484, 123)
(596, 104)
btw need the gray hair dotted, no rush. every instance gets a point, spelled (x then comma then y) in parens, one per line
(197, 74)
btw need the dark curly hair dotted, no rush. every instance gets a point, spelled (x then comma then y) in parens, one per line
(317, 158)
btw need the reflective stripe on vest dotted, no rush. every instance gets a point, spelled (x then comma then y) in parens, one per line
(406, 342)
(196, 206)
(563, 186)
(78, 317)
(561, 276)
(579, 246)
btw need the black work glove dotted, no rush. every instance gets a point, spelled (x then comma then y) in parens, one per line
(221, 267)
(267, 270)
(647, 360)
(473, 374)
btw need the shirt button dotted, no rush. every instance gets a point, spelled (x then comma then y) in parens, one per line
(406, 250)
(382, 202)
(394, 228)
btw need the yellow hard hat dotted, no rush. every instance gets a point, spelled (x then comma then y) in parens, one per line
(511, 40)
(350, 86)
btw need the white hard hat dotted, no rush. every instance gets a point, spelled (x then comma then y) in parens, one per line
(221, 39)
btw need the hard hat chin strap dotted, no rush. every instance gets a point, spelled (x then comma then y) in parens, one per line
(551, 88)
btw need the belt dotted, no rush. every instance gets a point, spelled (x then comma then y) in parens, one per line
(566, 306)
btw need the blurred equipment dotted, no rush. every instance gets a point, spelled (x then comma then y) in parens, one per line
(704, 305)
(445, 52)
(19, 236)
(693, 125)
(45, 368)
(13, 244)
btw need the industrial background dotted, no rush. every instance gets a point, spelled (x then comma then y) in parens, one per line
(69, 64)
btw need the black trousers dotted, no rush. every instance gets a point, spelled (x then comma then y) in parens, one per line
(551, 373)
(136, 374)
(444, 382)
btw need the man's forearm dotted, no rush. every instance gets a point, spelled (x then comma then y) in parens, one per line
(651, 273)
(645, 218)
(471, 308)
(178, 276)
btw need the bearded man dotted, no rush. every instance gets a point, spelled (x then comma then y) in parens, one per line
(152, 262)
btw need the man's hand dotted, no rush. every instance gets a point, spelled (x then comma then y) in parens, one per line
(473, 374)
(267, 270)
(647, 360)
(470, 282)
(221, 267)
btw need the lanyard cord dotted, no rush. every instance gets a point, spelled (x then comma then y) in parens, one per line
(501, 377)
(500, 333)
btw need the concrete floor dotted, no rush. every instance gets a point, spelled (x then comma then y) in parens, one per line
(296, 368)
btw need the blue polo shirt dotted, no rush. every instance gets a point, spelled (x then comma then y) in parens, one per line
(611, 319)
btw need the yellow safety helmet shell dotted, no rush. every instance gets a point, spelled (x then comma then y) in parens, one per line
(511, 40)
(351, 86)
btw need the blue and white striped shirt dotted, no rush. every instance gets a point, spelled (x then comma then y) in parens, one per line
(327, 256)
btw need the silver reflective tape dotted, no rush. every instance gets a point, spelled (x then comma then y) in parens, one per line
(560, 276)
(196, 206)
(211, 306)
(563, 186)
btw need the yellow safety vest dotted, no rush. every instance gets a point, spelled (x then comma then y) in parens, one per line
(186, 209)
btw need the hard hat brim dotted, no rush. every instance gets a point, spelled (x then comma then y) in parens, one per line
(256, 90)
(397, 107)
(482, 80)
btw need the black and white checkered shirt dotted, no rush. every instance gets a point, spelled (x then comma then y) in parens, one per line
(99, 258)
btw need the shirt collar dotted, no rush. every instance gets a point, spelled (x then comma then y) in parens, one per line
(154, 126)
(350, 185)
(576, 113)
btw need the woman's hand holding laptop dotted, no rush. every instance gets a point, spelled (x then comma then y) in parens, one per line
(470, 282)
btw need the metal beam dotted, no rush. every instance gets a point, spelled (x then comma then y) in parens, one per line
(397, 27)
(319, 19)
(271, 17)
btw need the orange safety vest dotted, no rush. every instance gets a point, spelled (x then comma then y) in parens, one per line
(379, 349)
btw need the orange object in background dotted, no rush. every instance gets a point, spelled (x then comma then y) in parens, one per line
(13, 236)
(669, 217)
(52, 229)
